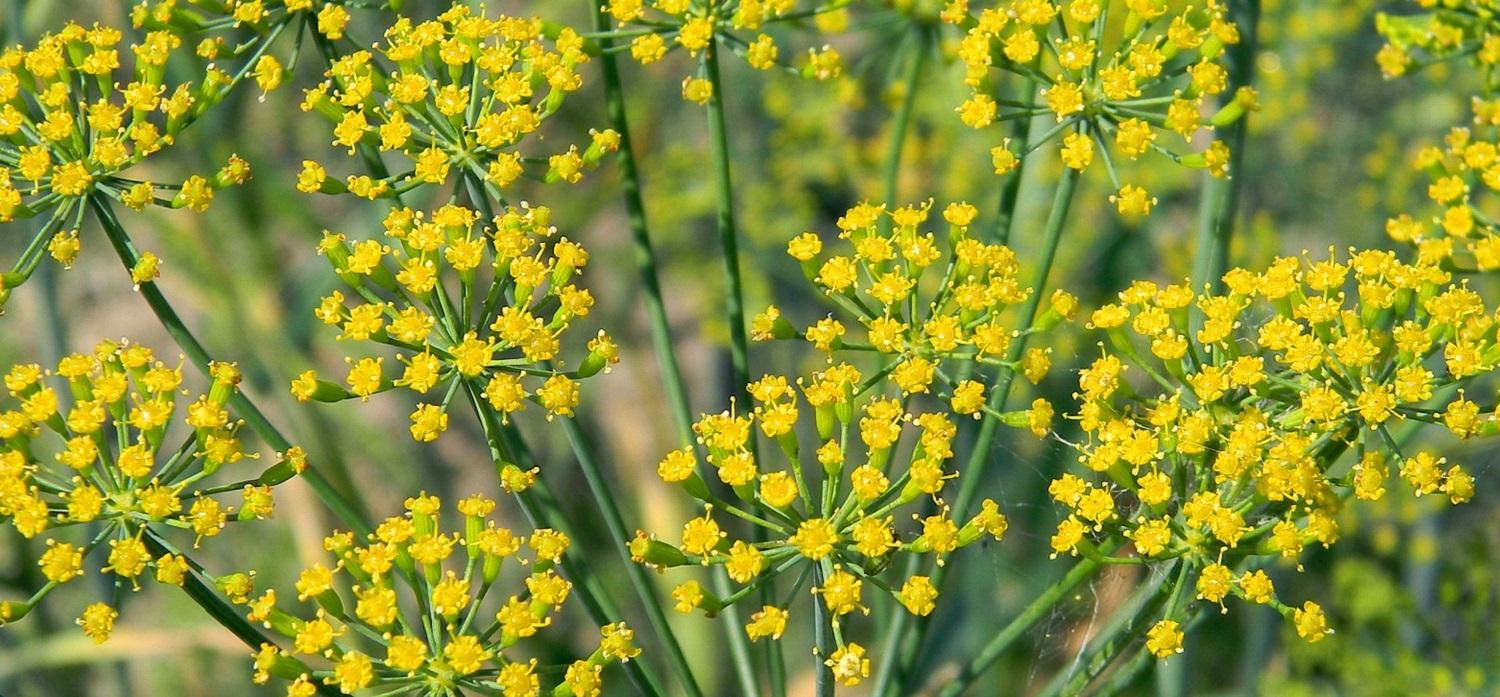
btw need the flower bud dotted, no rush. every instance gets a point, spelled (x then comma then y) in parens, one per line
(649, 550)
(1245, 99)
(12, 611)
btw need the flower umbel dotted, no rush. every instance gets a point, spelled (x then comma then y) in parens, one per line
(111, 463)
(1116, 75)
(830, 508)
(452, 97)
(502, 335)
(1263, 420)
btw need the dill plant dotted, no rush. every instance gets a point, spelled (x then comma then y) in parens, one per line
(1222, 420)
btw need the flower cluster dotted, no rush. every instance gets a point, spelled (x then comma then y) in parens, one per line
(453, 97)
(831, 519)
(499, 339)
(1273, 402)
(416, 610)
(1114, 74)
(661, 26)
(1452, 30)
(932, 308)
(77, 112)
(1461, 174)
(105, 469)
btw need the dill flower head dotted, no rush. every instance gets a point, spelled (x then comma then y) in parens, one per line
(452, 98)
(1449, 30)
(499, 338)
(1122, 78)
(415, 609)
(659, 27)
(1256, 413)
(839, 513)
(91, 462)
(929, 308)
(1459, 223)
(78, 112)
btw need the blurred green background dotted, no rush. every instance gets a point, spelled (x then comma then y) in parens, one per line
(1413, 590)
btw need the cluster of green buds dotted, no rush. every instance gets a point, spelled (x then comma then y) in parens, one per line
(1260, 410)
(76, 116)
(1115, 74)
(415, 610)
(827, 511)
(929, 311)
(498, 340)
(659, 27)
(453, 97)
(88, 462)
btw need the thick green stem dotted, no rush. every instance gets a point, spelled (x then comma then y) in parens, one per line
(1221, 195)
(902, 124)
(661, 334)
(350, 511)
(1038, 609)
(972, 475)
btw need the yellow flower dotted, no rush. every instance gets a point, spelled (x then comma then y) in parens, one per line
(98, 622)
(1311, 624)
(849, 664)
(1164, 639)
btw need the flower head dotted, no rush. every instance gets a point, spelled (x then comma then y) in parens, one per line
(927, 304)
(831, 508)
(1120, 83)
(1450, 31)
(502, 342)
(1457, 223)
(1229, 427)
(79, 111)
(452, 97)
(96, 461)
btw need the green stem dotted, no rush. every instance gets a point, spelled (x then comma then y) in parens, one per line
(351, 511)
(226, 615)
(639, 576)
(979, 458)
(1221, 195)
(902, 123)
(1038, 609)
(823, 636)
(734, 303)
(1020, 137)
(1125, 626)
(739, 342)
(645, 257)
(541, 511)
